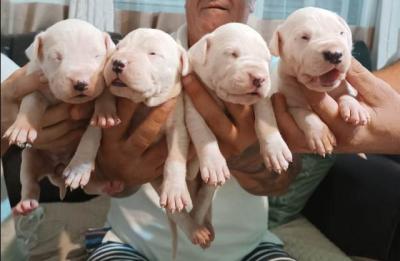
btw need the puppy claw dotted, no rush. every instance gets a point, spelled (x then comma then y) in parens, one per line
(24, 207)
(77, 174)
(214, 169)
(174, 196)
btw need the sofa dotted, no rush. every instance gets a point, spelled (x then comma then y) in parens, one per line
(356, 206)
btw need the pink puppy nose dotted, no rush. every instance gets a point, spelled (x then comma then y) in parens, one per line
(257, 80)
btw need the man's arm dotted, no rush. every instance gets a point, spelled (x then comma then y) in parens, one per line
(381, 135)
(238, 142)
(391, 75)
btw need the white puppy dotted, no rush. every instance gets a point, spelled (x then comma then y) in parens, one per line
(71, 54)
(233, 62)
(146, 68)
(315, 49)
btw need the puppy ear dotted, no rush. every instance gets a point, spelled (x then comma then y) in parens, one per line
(198, 52)
(275, 43)
(347, 31)
(184, 59)
(34, 52)
(110, 46)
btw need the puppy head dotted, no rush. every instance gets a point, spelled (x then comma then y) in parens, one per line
(146, 67)
(316, 44)
(233, 61)
(72, 54)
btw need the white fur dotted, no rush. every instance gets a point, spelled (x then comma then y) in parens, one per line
(301, 42)
(153, 66)
(69, 51)
(227, 61)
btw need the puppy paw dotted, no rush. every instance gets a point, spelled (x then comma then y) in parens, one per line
(112, 187)
(201, 235)
(105, 120)
(276, 154)
(77, 174)
(352, 111)
(24, 207)
(321, 141)
(174, 197)
(214, 169)
(21, 133)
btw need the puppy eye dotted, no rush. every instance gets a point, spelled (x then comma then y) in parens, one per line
(117, 48)
(152, 53)
(305, 37)
(99, 56)
(341, 33)
(234, 55)
(58, 57)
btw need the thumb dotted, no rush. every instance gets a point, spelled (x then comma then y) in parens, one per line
(367, 85)
(26, 83)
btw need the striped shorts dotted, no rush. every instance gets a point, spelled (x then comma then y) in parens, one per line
(113, 251)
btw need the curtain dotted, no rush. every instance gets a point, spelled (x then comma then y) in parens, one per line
(98, 13)
(376, 22)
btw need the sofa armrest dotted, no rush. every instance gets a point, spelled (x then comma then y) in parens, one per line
(357, 206)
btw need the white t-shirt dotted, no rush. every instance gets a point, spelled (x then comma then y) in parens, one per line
(7, 67)
(240, 221)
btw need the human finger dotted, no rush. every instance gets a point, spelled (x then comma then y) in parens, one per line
(286, 124)
(69, 138)
(126, 110)
(81, 111)
(56, 114)
(157, 153)
(149, 129)
(50, 134)
(365, 82)
(325, 106)
(26, 83)
(216, 119)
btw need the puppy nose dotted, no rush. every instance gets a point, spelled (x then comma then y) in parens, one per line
(80, 86)
(333, 57)
(257, 81)
(118, 66)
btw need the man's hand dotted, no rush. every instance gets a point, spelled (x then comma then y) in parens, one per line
(236, 134)
(381, 135)
(59, 126)
(129, 155)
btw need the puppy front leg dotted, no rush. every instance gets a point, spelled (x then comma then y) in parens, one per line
(273, 148)
(202, 205)
(319, 137)
(23, 131)
(351, 109)
(174, 191)
(105, 111)
(33, 168)
(213, 167)
(77, 173)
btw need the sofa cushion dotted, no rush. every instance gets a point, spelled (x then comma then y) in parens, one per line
(306, 243)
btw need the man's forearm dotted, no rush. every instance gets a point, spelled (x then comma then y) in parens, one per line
(391, 75)
(252, 175)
